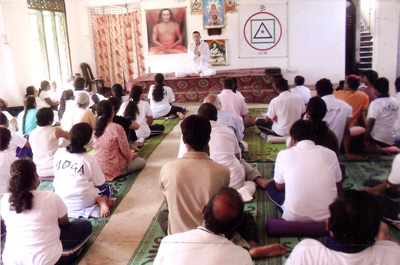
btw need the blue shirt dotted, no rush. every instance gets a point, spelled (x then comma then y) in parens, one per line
(228, 119)
(30, 121)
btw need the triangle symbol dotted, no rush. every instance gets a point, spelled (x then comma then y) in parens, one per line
(262, 32)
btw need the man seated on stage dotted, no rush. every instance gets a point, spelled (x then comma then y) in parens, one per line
(307, 177)
(189, 183)
(167, 35)
(199, 55)
(356, 236)
(225, 117)
(208, 244)
(282, 112)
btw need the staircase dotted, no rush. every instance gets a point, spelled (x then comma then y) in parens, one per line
(366, 49)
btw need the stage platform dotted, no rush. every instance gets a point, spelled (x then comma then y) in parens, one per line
(254, 84)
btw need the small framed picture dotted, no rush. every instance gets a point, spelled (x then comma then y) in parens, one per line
(231, 6)
(196, 7)
(218, 52)
(214, 14)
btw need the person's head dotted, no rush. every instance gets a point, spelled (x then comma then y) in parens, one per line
(370, 77)
(214, 44)
(3, 105)
(213, 99)
(196, 36)
(159, 78)
(3, 121)
(362, 77)
(324, 87)
(351, 83)
(397, 84)
(132, 108)
(213, 6)
(136, 93)
(30, 91)
(224, 211)
(208, 111)
(79, 83)
(196, 132)
(166, 15)
(29, 103)
(117, 90)
(77, 75)
(281, 84)
(82, 100)
(228, 84)
(158, 92)
(299, 80)
(316, 109)
(355, 218)
(66, 95)
(115, 102)
(79, 136)
(105, 112)
(302, 130)
(341, 85)
(381, 86)
(235, 84)
(5, 136)
(71, 79)
(53, 85)
(44, 86)
(44, 117)
(23, 180)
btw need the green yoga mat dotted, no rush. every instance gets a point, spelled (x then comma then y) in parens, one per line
(122, 184)
(261, 151)
(262, 208)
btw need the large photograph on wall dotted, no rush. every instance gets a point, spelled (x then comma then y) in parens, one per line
(214, 14)
(218, 52)
(166, 31)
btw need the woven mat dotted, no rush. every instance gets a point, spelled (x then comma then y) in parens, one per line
(122, 184)
(262, 208)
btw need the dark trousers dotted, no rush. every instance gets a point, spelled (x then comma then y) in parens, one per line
(156, 129)
(73, 237)
(276, 196)
(266, 127)
(174, 110)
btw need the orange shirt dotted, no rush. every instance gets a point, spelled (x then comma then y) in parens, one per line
(356, 99)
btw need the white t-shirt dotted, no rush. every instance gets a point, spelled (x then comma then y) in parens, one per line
(200, 246)
(223, 147)
(10, 118)
(384, 111)
(287, 107)
(16, 141)
(7, 157)
(41, 103)
(33, 236)
(313, 252)
(141, 119)
(161, 108)
(235, 104)
(394, 176)
(43, 95)
(338, 111)
(310, 173)
(397, 125)
(66, 120)
(76, 177)
(303, 92)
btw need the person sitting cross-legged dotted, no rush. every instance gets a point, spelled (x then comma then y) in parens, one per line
(307, 177)
(208, 244)
(356, 236)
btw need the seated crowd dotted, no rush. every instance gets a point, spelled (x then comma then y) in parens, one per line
(205, 189)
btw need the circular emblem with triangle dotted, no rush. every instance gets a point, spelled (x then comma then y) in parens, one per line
(262, 31)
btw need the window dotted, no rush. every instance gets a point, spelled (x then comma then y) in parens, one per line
(49, 41)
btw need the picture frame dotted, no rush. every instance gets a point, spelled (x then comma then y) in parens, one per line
(231, 6)
(218, 51)
(196, 7)
(214, 14)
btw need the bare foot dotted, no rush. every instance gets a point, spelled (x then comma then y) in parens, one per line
(354, 156)
(181, 115)
(104, 210)
(262, 182)
(111, 202)
(267, 251)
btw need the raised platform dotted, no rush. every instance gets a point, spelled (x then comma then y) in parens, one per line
(254, 84)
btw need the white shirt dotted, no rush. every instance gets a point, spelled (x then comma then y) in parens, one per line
(10, 118)
(141, 119)
(76, 177)
(33, 236)
(200, 246)
(397, 125)
(338, 111)
(43, 95)
(303, 92)
(313, 252)
(287, 107)
(7, 157)
(66, 120)
(44, 145)
(200, 63)
(310, 173)
(161, 108)
(384, 111)
(394, 176)
(235, 104)
(223, 147)
(41, 103)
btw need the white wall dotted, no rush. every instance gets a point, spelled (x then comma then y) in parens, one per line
(386, 37)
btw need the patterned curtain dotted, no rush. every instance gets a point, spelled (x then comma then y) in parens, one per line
(119, 47)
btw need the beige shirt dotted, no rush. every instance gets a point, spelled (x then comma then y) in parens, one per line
(83, 115)
(188, 184)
